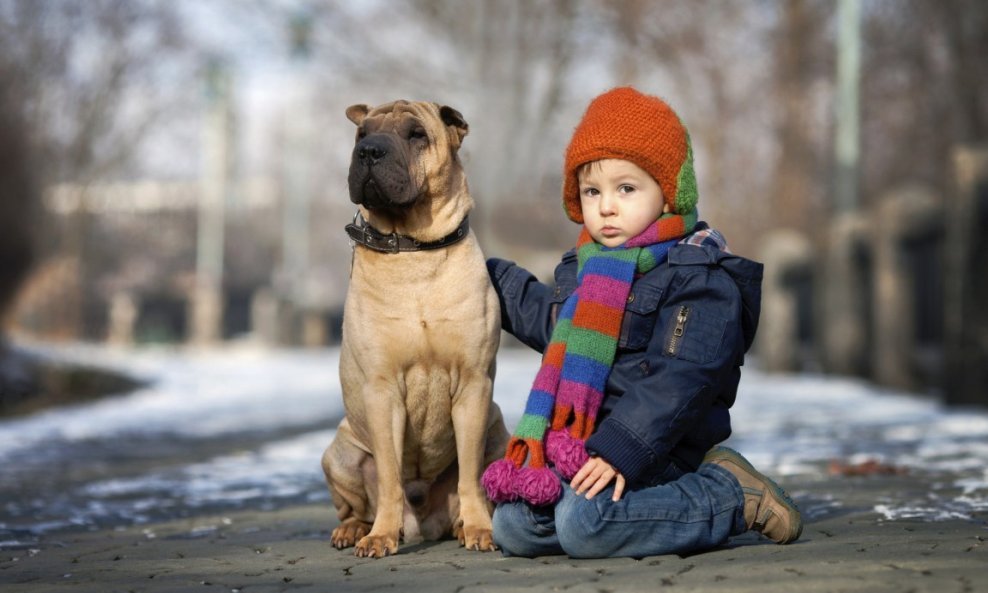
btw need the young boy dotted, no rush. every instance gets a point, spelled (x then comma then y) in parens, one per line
(643, 340)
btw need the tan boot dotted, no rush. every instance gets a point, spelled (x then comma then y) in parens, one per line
(767, 507)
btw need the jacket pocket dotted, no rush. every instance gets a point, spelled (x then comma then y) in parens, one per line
(694, 334)
(639, 317)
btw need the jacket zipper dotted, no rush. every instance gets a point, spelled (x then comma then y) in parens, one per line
(677, 331)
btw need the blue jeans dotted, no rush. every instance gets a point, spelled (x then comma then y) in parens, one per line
(696, 511)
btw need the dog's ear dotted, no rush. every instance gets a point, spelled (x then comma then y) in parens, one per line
(454, 119)
(357, 113)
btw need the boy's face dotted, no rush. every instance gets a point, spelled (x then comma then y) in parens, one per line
(619, 200)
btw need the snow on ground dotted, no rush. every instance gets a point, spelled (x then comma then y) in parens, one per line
(205, 394)
(284, 404)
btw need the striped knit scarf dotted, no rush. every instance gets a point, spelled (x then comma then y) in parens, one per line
(569, 386)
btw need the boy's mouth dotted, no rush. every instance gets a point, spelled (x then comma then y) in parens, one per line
(610, 231)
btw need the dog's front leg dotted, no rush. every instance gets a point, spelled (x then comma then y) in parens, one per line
(386, 421)
(470, 411)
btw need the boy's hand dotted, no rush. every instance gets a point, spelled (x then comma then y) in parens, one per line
(594, 476)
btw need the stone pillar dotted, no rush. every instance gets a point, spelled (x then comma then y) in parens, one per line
(966, 280)
(264, 319)
(217, 170)
(900, 216)
(206, 315)
(123, 319)
(844, 310)
(313, 329)
(786, 255)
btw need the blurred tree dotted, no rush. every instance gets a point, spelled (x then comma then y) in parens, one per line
(756, 82)
(17, 200)
(753, 80)
(507, 66)
(83, 81)
(710, 60)
(925, 89)
(803, 66)
(965, 34)
(514, 62)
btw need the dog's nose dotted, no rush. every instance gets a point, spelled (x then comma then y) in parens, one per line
(370, 151)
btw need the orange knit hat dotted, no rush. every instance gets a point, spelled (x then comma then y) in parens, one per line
(626, 124)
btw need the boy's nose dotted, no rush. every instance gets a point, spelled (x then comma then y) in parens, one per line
(606, 204)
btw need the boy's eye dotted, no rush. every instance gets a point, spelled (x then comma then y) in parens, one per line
(590, 191)
(626, 189)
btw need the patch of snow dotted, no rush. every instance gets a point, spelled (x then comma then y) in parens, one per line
(787, 425)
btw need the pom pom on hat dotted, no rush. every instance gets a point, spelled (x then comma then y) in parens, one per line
(626, 124)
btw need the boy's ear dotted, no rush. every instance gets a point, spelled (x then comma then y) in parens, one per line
(357, 113)
(454, 119)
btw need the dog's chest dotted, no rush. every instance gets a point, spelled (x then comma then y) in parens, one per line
(430, 444)
(441, 316)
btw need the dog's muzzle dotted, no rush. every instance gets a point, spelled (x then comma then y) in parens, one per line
(379, 176)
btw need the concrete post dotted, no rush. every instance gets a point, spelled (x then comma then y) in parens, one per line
(123, 319)
(313, 329)
(848, 113)
(207, 296)
(966, 280)
(900, 216)
(264, 317)
(845, 304)
(293, 279)
(786, 254)
(207, 315)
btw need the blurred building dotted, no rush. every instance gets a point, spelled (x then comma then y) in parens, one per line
(141, 267)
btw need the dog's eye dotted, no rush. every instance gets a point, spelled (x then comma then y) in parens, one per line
(361, 133)
(417, 134)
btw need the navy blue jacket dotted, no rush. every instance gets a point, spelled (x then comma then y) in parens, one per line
(686, 328)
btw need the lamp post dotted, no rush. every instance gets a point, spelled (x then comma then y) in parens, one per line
(293, 280)
(845, 293)
(217, 145)
(848, 142)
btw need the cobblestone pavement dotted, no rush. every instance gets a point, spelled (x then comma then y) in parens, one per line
(847, 545)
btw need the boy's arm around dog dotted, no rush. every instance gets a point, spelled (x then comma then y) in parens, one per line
(529, 307)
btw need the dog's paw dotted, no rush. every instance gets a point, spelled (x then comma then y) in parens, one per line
(348, 533)
(475, 538)
(377, 546)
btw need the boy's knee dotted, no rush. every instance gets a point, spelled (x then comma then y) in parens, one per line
(510, 528)
(578, 526)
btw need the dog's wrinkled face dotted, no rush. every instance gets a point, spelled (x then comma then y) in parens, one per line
(401, 148)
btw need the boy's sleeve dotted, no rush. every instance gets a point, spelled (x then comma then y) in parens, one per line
(527, 310)
(681, 375)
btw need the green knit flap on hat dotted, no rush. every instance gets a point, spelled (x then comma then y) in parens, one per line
(687, 193)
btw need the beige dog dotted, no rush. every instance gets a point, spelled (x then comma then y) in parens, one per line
(420, 333)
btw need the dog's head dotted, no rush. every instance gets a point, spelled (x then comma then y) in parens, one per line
(404, 151)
